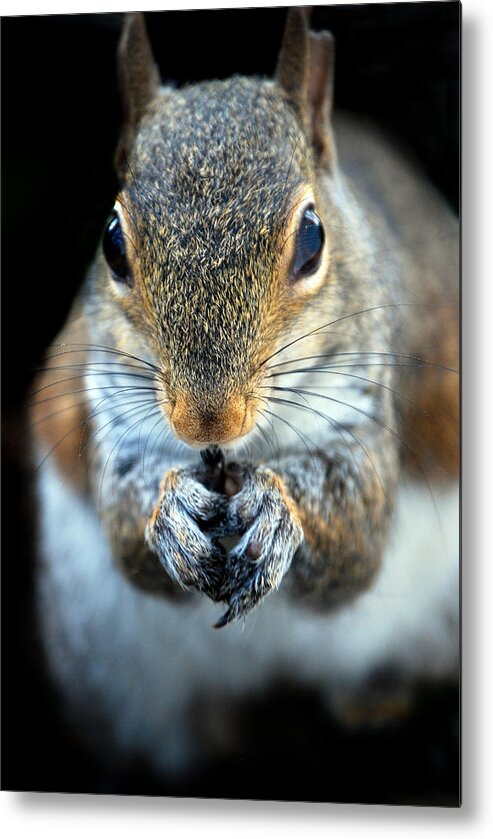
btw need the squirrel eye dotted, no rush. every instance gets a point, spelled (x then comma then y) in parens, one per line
(114, 249)
(311, 238)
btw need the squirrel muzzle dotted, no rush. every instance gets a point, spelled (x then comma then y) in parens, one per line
(212, 425)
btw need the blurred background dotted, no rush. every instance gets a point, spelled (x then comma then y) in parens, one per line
(396, 63)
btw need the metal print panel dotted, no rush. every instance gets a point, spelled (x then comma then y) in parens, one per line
(232, 430)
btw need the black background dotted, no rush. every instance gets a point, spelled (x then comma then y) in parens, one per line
(60, 120)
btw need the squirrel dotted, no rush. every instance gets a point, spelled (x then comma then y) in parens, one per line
(251, 416)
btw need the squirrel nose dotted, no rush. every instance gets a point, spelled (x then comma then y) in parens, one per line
(199, 427)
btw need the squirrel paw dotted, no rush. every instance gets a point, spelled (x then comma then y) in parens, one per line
(267, 517)
(183, 532)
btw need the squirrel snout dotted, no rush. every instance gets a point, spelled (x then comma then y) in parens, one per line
(199, 427)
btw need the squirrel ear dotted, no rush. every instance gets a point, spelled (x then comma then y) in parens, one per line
(320, 87)
(305, 70)
(138, 76)
(292, 64)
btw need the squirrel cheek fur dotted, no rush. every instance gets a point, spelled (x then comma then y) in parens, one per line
(212, 180)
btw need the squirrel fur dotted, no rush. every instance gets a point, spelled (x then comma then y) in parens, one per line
(325, 395)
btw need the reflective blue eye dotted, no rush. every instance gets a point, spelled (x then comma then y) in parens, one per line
(114, 250)
(310, 245)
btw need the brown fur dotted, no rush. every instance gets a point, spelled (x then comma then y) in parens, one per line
(427, 244)
(431, 426)
(59, 411)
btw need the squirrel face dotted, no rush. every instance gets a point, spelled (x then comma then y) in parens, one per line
(216, 243)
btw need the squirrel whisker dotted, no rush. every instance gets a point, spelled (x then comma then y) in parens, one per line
(363, 354)
(363, 379)
(340, 428)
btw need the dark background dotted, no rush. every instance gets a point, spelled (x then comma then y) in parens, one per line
(60, 120)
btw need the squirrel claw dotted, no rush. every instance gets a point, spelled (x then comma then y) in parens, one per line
(183, 533)
(271, 535)
(224, 620)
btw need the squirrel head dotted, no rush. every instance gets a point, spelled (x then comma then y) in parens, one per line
(216, 245)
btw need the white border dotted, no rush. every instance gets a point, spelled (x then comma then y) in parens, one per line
(44, 7)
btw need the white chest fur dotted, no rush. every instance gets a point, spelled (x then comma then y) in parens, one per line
(141, 661)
